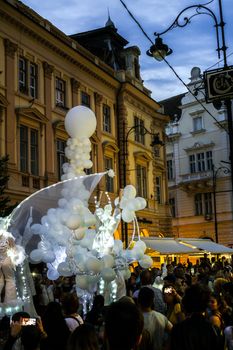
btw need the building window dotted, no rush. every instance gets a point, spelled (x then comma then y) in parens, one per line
(141, 181)
(208, 203)
(198, 204)
(209, 160)
(29, 150)
(172, 205)
(85, 99)
(197, 124)
(139, 130)
(158, 189)
(192, 163)
(61, 158)
(28, 77)
(170, 171)
(60, 92)
(203, 204)
(106, 118)
(200, 162)
(108, 162)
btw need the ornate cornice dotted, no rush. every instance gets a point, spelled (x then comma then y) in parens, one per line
(10, 48)
(57, 48)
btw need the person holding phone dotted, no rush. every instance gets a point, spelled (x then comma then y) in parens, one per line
(25, 331)
(173, 301)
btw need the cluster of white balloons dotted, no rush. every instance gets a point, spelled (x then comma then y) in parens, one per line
(73, 241)
(129, 203)
(80, 123)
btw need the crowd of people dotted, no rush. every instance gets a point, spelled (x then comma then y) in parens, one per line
(177, 307)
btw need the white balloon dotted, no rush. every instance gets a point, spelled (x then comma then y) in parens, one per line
(82, 281)
(93, 264)
(44, 220)
(140, 245)
(52, 274)
(141, 203)
(79, 233)
(80, 121)
(129, 191)
(126, 274)
(108, 260)
(64, 270)
(36, 255)
(146, 262)
(48, 257)
(108, 274)
(127, 215)
(89, 220)
(73, 222)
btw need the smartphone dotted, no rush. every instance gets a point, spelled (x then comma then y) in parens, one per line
(28, 321)
(168, 290)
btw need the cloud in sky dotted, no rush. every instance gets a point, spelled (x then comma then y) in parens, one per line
(194, 45)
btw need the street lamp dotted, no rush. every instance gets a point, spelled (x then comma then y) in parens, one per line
(215, 173)
(220, 78)
(156, 142)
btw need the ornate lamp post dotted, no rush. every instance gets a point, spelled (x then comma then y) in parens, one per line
(218, 83)
(155, 142)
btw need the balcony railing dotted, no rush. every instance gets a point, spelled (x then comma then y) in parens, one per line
(196, 176)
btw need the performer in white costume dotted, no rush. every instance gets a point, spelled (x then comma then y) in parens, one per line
(7, 277)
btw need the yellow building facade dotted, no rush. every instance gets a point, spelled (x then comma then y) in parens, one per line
(43, 73)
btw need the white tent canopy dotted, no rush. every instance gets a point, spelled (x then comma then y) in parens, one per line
(185, 246)
(207, 245)
(167, 246)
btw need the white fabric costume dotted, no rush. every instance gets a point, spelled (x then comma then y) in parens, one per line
(7, 276)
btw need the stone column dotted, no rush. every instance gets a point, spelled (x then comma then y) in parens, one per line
(123, 146)
(75, 85)
(100, 155)
(10, 124)
(49, 135)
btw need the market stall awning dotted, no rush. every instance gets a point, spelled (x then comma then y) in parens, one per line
(168, 246)
(206, 245)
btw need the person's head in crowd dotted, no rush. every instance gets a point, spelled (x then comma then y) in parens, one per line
(123, 326)
(214, 302)
(53, 319)
(126, 299)
(30, 338)
(218, 284)
(19, 315)
(196, 299)
(98, 302)
(180, 285)
(83, 338)
(146, 277)
(170, 295)
(179, 271)
(70, 303)
(169, 279)
(146, 298)
(170, 269)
